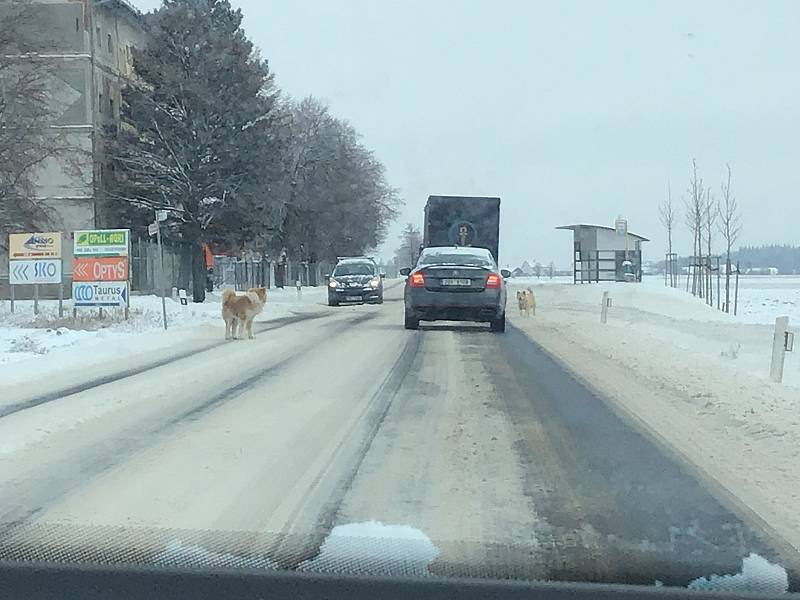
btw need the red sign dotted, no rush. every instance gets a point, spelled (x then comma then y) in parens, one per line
(112, 268)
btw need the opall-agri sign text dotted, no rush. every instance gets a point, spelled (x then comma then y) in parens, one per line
(102, 242)
(100, 268)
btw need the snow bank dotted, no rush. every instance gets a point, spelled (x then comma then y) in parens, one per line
(375, 549)
(758, 575)
(25, 337)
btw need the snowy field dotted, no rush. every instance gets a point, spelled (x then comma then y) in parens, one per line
(25, 337)
(742, 343)
(761, 298)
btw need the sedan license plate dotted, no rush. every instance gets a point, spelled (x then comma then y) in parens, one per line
(352, 298)
(456, 282)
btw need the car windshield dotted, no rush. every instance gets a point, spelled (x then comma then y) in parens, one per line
(443, 257)
(345, 269)
(502, 289)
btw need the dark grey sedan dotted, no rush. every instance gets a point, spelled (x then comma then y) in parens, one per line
(355, 280)
(455, 284)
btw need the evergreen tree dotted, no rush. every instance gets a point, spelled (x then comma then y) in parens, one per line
(200, 133)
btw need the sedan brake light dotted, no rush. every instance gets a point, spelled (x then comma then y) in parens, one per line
(493, 281)
(417, 280)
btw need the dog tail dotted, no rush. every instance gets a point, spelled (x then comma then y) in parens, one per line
(227, 294)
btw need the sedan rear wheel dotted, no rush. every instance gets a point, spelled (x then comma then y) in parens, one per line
(411, 322)
(499, 324)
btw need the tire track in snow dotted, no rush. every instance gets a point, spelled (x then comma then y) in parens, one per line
(291, 550)
(43, 487)
(16, 407)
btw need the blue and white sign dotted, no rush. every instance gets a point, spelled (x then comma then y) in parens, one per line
(26, 272)
(100, 293)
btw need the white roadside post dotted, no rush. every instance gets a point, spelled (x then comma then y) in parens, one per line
(61, 294)
(604, 308)
(781, 343)
(299, 289)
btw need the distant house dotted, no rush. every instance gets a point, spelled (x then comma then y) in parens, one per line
(762, 271)
(601, 253)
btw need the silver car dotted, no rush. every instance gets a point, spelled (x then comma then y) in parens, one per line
(453, 283)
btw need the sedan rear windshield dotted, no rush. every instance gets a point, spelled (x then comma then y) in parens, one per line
(455, 258)
(354, 269)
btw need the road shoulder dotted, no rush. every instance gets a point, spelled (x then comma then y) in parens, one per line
(758, 479)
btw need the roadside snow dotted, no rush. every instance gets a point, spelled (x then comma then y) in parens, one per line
(26, 339)
(693, 377)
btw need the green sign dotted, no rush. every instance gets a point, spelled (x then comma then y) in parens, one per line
(102, 242)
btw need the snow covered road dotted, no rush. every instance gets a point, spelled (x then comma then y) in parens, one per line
(260, 449)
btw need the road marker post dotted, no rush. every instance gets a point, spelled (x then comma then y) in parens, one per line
(782, 341)
(604, 308)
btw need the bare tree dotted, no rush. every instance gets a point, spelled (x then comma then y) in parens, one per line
(730, 226)
(667, 214)
(26, 139)
(408, 252)
(695, 220)
(709, 218)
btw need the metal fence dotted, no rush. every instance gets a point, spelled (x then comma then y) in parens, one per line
(242, 273)
(238, 273)
(145, 267)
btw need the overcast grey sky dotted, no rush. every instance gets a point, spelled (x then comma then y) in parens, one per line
(570, 111)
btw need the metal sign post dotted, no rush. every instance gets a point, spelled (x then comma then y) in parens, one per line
(161, 216)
